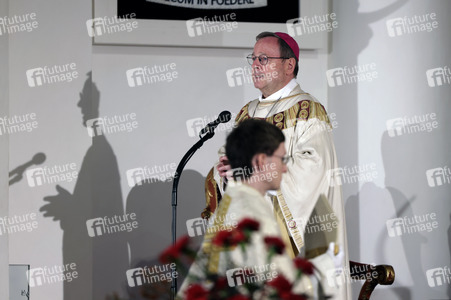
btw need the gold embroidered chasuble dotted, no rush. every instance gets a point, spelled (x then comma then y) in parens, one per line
(309, 142)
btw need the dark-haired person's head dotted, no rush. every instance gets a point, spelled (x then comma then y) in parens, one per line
(257, 147)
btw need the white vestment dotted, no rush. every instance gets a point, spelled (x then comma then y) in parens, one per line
(313, 170)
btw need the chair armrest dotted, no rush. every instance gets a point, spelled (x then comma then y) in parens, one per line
(373, 275)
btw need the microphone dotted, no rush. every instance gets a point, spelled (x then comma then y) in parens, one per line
(223, 117)
(37, 159)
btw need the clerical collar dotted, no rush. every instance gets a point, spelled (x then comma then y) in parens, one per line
(282, 93)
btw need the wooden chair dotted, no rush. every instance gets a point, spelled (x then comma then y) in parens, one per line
(373, 275)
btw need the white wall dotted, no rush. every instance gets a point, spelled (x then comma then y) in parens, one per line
(4, 162)
(58, 39)
(399, 188)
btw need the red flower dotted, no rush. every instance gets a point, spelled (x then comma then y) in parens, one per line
(169, 255)
(181, 245)
(283, 288)
(304, 265)
(226, 238)
(280, 283)
(275, 243)
(248, 224)
(172, 253)
(239, 237)
(221, 283)
(196, 292)
(238, 297)
(291, 296)
(222, 238)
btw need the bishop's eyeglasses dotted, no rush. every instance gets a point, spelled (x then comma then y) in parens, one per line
(263, 59)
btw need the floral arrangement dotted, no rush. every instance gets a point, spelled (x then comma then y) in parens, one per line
(216, 286)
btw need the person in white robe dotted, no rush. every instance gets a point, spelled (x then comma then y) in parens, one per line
(313, 171)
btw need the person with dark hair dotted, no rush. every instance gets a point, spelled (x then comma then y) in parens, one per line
(312, 173)
(252, 138)
(257, 155)
(256, 151)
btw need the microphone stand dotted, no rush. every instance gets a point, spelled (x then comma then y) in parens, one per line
(175, 183)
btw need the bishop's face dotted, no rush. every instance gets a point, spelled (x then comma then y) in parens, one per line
(275, 74)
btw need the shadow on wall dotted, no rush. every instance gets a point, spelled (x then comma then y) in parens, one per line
(375, 240)
(352, 36)
(407, 196)
(415, 200)
(151, 201)
(101, 256)
(89, 217)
